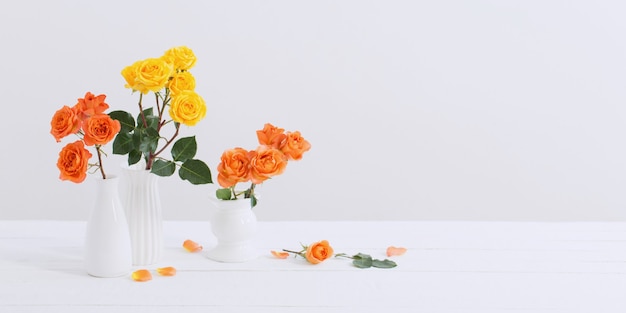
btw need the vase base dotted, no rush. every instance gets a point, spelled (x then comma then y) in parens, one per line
(109, 275)
(232, 253)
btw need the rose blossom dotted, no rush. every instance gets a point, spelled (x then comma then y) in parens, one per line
(271, 135)
(73, 162)
(99, 129)
(180, 82)
(318, 252)
(182, 58)
(234, 167)
(187, 108)
(64, 122)
(91, 105)
(151, 74)
(295, 146)
(266, 162)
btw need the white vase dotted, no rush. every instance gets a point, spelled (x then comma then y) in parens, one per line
(142, 202)
(234, 224)
(107, 241)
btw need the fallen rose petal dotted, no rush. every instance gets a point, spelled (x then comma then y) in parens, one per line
(391, 251)
(280, 255)
(191, 246)
(166, 271)
(141, 275)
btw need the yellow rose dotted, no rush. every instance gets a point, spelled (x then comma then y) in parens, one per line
(182, 81)
(151, 75)
(187, 108)
(181, 57)
(130, 75)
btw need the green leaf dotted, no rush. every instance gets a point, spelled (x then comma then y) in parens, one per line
(253, 201)
(196, 172)
(134, 156)
(362, 260)
(148, 140)
(126, 120)
(123, 143)
(386, 263)
(223, 194)
(147, 112)
(163, 168)
(184, 149)
(152, 121)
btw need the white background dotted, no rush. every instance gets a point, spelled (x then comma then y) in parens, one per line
(484, 110)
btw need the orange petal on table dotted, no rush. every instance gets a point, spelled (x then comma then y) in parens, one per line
(142, 275)
(191, 246)
(166, 271)
(280, 255)
(391, 251)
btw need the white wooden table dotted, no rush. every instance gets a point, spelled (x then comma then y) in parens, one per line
(449, 267)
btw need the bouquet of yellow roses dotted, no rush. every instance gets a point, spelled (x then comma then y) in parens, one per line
(176, 102)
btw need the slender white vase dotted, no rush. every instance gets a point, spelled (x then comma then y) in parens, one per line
(142, 202)
(234, 224)
(107, 241)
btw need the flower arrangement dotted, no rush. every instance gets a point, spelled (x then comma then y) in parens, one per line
(269, 159)
(146, 137)
(87, 120)
(320, 251)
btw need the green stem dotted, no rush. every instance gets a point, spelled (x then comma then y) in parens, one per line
(160, 110)
(294, 252)
(167, 142)
(248, 193)
(156, 99)
(143, 117)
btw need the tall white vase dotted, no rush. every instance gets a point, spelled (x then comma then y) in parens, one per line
(234, 224)
(107, 241)
(142, 202)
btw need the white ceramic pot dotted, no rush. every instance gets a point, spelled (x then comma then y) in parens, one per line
(234, 224)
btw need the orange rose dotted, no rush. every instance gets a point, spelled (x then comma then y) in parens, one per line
(318, 252)
(91, 105)
(266, 162)
(234, 167)
(99, 129)
(64, 122)
(73, 162)
(295, 146)
(271, 135)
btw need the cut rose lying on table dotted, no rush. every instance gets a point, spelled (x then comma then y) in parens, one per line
(320, 251)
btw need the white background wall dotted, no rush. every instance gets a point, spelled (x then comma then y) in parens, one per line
(488, 110)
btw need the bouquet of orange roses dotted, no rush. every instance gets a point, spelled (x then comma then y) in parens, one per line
(269, 159)
(87, 120)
